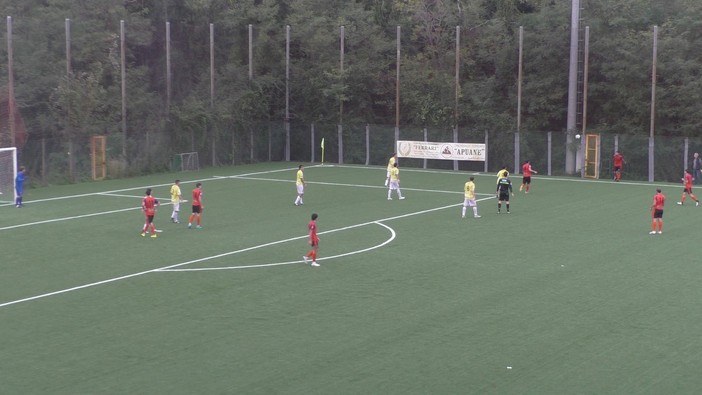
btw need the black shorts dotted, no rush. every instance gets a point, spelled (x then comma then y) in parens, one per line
(617, 168)
(149, 219)
(687, 190)
(314, 243)
(658, 214)
(526, 180)
(504, 197)
(196, 210)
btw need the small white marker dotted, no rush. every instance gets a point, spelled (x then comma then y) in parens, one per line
(509, 367)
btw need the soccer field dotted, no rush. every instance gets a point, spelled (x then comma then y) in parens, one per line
(568, 294)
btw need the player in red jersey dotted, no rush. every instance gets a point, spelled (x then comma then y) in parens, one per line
(526, 176)
(197, 206)
(618, 162)
(314, 241)
(657, 212)
(148, 205)
(687, 180)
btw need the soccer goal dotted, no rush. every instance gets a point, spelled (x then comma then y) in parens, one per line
(8, 173)
(186, 161)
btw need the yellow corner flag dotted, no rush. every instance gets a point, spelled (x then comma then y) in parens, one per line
(322, 145)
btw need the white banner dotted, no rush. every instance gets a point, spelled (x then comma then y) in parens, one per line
(445, 151)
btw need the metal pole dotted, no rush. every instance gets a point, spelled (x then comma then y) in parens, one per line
(572, 86)
(519, 79)
(397, 90)
(653, 105)
(212, 87)
(10, 84)
(457, 84)
(586, 68)
(68, 47)
(367, 144)
(341, 102)
(287, 93)
(123, 76)
(251, 132)
(168, 68)
(550, 144)
(485, 167)
(312, 142)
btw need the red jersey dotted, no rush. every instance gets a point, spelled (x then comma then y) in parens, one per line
(149, 205)
(688, 180)
(618, 160)
(312, 226)
(658, 201)
(197, 195)
(526, 170)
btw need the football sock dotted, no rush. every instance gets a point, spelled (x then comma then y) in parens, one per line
(507, 207)
(463, 212)
(389, 192)
(475, 211)
(499, 206)
(297, 200)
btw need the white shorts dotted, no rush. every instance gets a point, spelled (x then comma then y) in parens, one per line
(394, 184)
(387, 174)
(300, 189)
(469, 202)
(176, 205)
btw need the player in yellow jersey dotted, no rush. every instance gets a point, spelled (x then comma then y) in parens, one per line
(300, 183)
(395, 182)
(175, 200)
(469, 189)
(391, 164)
(502, 173)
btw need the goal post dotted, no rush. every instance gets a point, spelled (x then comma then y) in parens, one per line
(8, 173)
(186, 161)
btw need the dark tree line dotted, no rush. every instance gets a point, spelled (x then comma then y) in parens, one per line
(88, 100)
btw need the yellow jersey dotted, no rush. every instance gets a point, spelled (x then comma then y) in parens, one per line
(391, 163)
(395, 174)
(469, 189)
(300, 180)
(175, 193)
(501, 174)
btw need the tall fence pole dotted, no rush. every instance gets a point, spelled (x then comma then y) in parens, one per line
(457, 93)
(287, 93)
(550, 145)
(312, 147)
(572, 85)
(367, 144)
(10, 84)
(123, 76)
(212, 88)
(651, 143)
(340, 128)
(168, 68)
(586, 67)
(251, 132)
(397, 91)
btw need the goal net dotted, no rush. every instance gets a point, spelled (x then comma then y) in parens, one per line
(186, 161)
(8, 173)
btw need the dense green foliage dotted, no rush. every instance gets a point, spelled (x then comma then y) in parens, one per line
(88, 101)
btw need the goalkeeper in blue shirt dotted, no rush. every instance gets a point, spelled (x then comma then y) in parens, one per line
(19, 186)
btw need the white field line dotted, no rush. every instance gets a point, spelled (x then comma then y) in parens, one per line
(392, 237)
(164, 268)
(214, 178)
(167, 201)
(539, 177)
